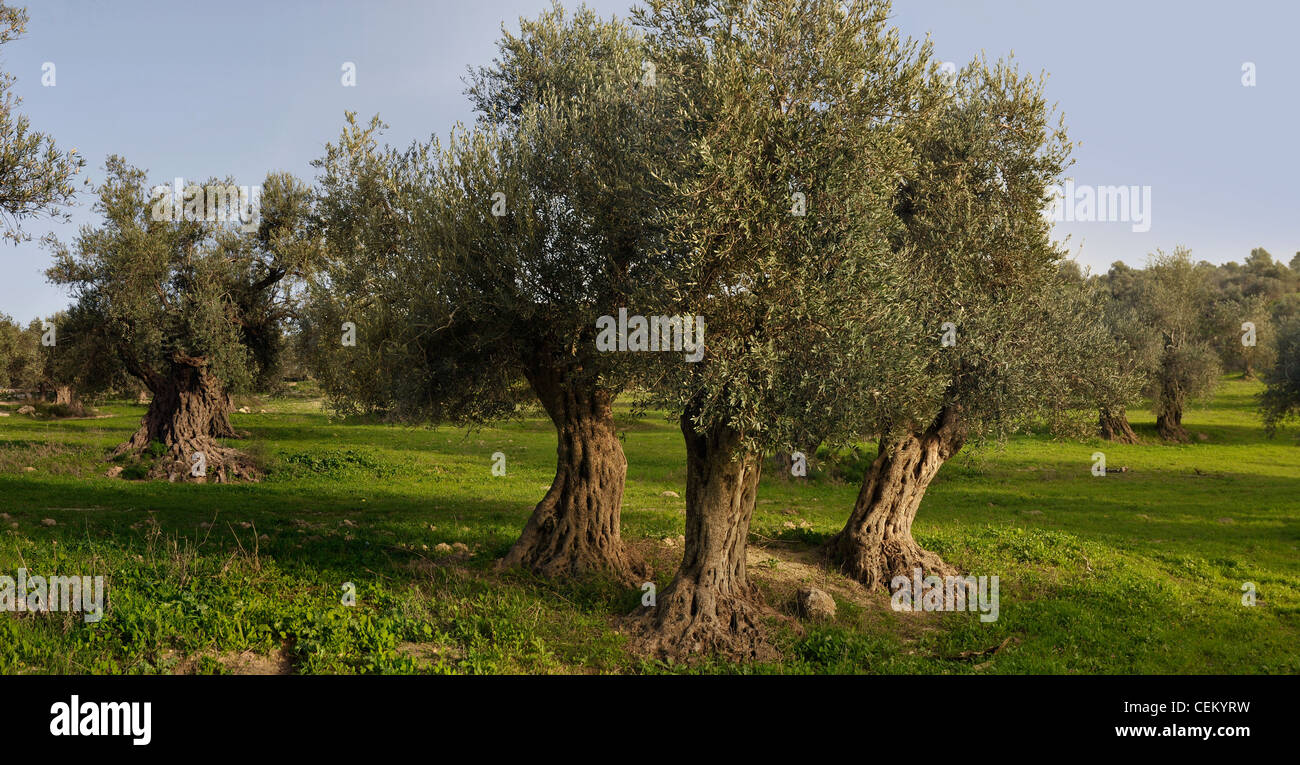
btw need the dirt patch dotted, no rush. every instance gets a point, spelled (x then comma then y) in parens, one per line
(236, 663)
(780, 568)
(430, 654)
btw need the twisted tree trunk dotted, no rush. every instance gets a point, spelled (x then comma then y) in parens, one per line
(711, 606)
(876, 544)
(1113, 425)
(187, 414)
(575, 529)
(1170, 427)
(1169, 417)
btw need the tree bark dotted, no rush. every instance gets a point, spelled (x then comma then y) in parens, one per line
(187, 413)
(876, 544)
(66, 396)
(1169, 425)
(1114, 426)
(575, 529)
(1169, 418)
(221, 427)
(711, 606)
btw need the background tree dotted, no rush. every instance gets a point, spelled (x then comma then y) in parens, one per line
(1137, 353)
(791, 122)
(468, 267)
(1241, 350)
(1175, 303)
(1280, 400)
(82, 364)
(1023, 335)
(36, 177)
(47, 376)
(1262, 292)
(1260, 276)
(170, 299)
(20, 356)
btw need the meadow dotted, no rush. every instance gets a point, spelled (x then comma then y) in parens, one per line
(1140, 571)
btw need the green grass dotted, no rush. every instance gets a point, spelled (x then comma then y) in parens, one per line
(1139, 572)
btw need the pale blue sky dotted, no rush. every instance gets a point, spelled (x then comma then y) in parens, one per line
(1152, 90)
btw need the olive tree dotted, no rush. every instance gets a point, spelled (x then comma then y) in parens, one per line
(20, 356)
(170, 296)
(1175, 303)
(791, 118)
(36, 177)
(1019, 338)
(1244, 334)
(467, 266)
(1137, 353)
(1280, 400)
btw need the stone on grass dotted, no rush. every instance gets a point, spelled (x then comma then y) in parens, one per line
(816, 604)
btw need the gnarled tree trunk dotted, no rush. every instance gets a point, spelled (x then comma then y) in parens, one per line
(188, 412)
(876, 544)
(1169, 415)
(1113, 425)
(711, 606)
(1169, 425)
(221, 427)
(63, 395)
(575, 530)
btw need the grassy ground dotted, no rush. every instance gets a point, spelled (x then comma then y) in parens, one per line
(1138, 572)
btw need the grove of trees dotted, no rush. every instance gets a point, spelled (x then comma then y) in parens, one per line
(859, 233)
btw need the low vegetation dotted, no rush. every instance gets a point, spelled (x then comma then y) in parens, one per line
(1137, 572)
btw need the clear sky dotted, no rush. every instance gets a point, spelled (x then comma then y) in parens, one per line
(1152, 89)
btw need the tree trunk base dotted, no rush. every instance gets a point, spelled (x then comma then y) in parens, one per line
(219, 464)
(186, 415)
(575, 530)
(876, 543)
(875, 562)
(1171, 429)
(692, 620)
(1114, 426)
(711, 607)
(554, 553)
